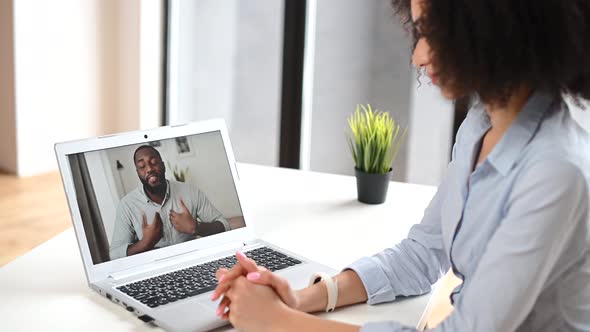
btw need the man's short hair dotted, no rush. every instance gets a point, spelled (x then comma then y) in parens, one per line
(146, 147)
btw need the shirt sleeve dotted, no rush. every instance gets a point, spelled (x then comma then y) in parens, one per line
(415, 264)
(206, 212)
(546, 212)
(412, 266)
(123, 235)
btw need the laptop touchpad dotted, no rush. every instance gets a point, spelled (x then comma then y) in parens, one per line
(210, 304)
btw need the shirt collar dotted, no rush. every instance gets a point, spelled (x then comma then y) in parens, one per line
(147, 198)
(507, 151)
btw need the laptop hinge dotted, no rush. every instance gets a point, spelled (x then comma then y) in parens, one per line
(171, 261)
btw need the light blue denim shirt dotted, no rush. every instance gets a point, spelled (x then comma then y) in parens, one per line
(515, 230)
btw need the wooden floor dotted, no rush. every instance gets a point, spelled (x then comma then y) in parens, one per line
(32, 210)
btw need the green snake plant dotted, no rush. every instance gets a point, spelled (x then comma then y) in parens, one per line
(374, 139)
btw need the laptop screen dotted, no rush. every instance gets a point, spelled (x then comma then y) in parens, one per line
(143, 197)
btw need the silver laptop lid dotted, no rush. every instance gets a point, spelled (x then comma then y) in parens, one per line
(112, 182)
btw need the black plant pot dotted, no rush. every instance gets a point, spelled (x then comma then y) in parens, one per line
(372, 187)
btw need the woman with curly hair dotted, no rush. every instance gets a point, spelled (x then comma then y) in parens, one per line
(511, 216)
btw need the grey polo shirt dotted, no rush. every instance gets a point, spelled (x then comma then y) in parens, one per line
(515, 230)
(129, 216)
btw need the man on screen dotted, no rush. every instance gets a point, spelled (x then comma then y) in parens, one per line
(161, 212)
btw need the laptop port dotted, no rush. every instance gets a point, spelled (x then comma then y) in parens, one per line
(109, 296)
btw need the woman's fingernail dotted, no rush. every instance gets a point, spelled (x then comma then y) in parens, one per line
(219, 311)
(253, 276)
(240, 254)
(222, 277)
(213, 295)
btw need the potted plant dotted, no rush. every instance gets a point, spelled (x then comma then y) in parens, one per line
(180, 174)
(374, 140)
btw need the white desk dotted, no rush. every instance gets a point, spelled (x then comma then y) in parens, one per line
(46, 288)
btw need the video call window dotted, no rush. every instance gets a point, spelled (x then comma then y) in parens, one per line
(143, 197)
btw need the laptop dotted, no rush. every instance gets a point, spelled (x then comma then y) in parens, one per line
(156, 213)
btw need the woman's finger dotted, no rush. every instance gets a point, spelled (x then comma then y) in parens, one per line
(243, 267)
(280, 285)
(225, 279)
(220, 272)
(225, 316)
(223, 307)
(246, 262)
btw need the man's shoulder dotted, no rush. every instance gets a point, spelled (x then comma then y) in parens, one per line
(130, 197)
(181, 185)
(184, 189)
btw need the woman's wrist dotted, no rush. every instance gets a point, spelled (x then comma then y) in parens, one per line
(313, 298)
(281, 319)
(289, 319)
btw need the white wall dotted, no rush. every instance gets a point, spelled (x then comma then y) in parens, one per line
(151, 41)
(76, 74)
(207, 164)
(105, 189)
(203, 57)
(56, 65)
(430, 134)
(362, 56)
(225, 62)
(257, 84)
(127, 48)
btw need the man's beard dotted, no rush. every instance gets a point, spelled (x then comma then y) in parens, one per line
(155, 190)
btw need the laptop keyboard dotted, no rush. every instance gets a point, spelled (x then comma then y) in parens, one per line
(198, 279)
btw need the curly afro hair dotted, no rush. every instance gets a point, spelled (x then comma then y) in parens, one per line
(492, 47)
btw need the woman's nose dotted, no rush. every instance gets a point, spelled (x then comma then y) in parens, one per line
(421, 55)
